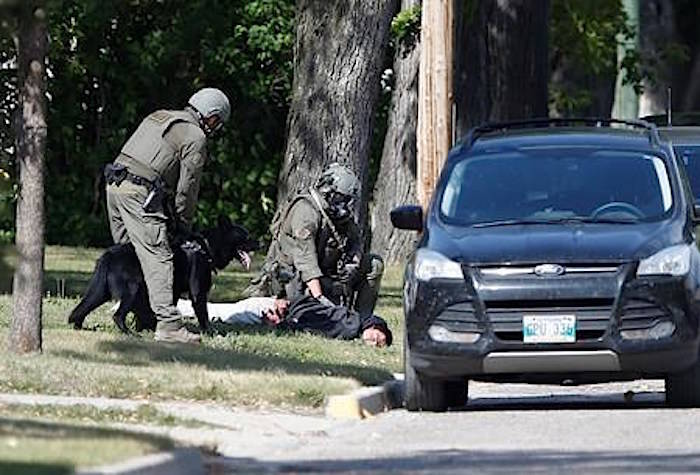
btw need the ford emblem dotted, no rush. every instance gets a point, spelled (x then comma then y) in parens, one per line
(548, 270)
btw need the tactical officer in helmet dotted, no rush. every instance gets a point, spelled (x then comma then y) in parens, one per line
(153, 185)
(317, 250)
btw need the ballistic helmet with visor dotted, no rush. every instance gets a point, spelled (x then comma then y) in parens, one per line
(210, 102)
(340, 188)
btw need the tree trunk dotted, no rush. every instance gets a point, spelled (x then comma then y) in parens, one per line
(501, 61)
(396, 184)
(691, 93)
(25, 328)
(338, 57)
(656, 27)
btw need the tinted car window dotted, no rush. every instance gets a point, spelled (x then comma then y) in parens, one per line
(690, 154)
(555, 185)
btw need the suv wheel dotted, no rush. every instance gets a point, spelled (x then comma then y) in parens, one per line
(422, 393)
(683, 389)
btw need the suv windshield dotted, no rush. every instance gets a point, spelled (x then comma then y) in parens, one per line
(690, 154)
(556, 185)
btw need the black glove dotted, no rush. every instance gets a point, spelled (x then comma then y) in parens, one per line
(339, 289)
(322, 299)
(180, 234)
(350, 273)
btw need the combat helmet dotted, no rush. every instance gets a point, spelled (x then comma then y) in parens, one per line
(209, 102)
(340, 188)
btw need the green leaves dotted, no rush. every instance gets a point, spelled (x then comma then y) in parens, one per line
(585, 36)
(405, 27)
(112, 62)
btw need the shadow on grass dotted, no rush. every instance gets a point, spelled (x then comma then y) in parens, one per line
(135, 351)
(55, 432)
(30, 468)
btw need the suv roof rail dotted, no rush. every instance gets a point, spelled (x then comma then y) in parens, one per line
(480, 130)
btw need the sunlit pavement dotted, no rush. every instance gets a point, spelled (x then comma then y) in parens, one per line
(605, 428)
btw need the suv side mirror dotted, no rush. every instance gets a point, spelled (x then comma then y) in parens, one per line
(407, 217)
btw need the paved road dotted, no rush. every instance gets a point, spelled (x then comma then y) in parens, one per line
(611, 428)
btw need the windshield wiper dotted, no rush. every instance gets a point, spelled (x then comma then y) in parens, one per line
(511, 222)
(588, 219)
(561, 220)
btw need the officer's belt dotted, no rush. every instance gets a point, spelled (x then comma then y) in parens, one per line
(139, 180)
(138, 169)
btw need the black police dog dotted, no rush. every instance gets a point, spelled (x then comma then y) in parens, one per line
(118, 275)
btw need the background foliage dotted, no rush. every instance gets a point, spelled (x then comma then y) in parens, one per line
(113, 61)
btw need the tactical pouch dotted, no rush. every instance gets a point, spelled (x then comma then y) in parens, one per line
(115, 173)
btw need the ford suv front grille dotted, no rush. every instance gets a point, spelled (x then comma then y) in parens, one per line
(592, 316)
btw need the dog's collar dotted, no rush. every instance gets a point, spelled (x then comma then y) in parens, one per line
(202, 245)
(209, 256)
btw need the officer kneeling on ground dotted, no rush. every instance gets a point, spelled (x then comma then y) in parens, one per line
(316, 248)
(159, 168)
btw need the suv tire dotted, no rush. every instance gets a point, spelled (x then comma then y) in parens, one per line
(420, 392)
(683, 389)
(457, 393)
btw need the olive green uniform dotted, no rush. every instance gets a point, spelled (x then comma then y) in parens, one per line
(170, 145)
(306, 249)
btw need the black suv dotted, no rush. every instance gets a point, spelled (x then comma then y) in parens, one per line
(553, 250)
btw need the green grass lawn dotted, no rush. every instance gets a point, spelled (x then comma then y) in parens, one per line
(253, 366)
(39, 447)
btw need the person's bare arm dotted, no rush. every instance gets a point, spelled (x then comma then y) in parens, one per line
(314, 286)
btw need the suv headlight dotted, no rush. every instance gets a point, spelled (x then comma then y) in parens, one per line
(433, 265)
(674, 260)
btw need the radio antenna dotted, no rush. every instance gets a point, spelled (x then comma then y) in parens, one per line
(668, 107)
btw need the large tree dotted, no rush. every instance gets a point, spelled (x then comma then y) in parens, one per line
(501, 60)
(660, 52)
(25, 327)
(500, 73)
(338, 58)
(396, 184)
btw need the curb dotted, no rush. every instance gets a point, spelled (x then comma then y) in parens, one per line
(366, 402)
(176, 462)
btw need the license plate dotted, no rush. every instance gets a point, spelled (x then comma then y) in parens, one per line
(549, 328)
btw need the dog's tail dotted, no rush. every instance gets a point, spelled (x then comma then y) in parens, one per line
(96, 294)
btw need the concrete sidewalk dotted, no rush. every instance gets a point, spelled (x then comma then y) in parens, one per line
(232, 431)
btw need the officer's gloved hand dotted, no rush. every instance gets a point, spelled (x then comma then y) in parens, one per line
(338, 290)
(350, 273)
(322, 299)
(182, 235)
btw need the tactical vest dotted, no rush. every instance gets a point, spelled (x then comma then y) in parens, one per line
(329, 251)
(147, 153)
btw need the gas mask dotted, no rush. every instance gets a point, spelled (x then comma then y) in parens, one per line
(340, 206)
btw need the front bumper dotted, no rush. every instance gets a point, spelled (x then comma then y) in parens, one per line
(605, 305)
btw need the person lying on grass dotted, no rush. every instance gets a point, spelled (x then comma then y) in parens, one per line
(303, 314)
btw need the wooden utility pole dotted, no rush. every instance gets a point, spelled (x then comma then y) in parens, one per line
(434, 94)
